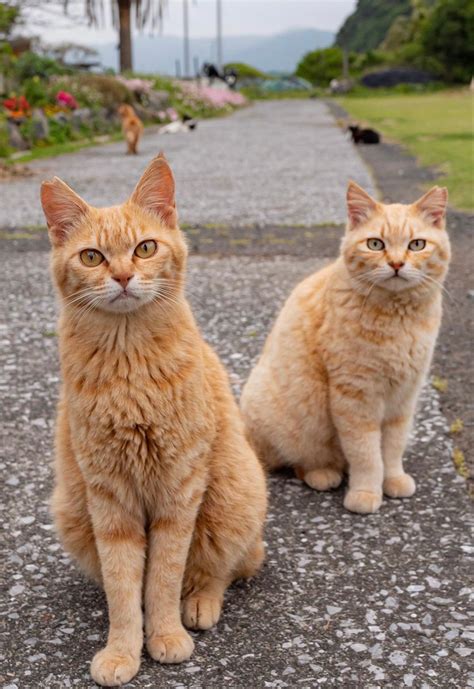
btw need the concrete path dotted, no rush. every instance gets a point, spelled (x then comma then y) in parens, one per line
(344, 601)
(283, 162)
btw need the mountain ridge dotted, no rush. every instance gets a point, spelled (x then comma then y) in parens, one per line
(277, 52)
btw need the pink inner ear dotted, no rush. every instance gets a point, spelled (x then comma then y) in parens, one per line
(360, 205)
(433, 205)
(62, 207)
(155, 191)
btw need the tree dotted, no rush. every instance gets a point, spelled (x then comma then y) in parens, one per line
(147, 12)
(9, 17)
(448, 37)
(320, 66)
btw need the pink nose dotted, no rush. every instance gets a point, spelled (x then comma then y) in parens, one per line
(122, 279)
(396, 266)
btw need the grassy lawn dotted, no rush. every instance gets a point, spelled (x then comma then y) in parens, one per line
(436, 127)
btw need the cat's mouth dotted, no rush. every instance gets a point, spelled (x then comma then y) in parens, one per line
(123, 296)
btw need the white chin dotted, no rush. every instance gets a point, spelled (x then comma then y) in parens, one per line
(122, 305)
(396, 284)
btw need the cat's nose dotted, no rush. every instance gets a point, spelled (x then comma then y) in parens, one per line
(123, 279)
(396, 265)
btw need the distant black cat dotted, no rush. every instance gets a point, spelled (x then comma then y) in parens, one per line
(364, 136)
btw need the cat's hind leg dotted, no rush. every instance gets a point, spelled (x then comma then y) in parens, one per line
(322, 464)
(227, 542)
(202, 608)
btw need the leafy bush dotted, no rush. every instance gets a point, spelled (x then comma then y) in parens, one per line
(245, 71)
(36, 92)
(93, 90)
(59, 132)
(448, 38)
(9, 16)
(5, 149)
(320, 66)
(30, 65)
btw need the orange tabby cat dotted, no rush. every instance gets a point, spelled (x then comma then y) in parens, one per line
(132, 127)
(337, 382)
(156, 486)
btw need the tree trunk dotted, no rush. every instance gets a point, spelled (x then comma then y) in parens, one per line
(125, 34)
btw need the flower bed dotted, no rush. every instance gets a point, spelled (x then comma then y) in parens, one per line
(61, 107)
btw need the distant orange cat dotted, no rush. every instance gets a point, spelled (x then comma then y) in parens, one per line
(157, 491)
(337, 383)
(132, 127)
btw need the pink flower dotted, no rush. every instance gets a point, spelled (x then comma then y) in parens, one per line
(66, 100)
(213, 97)
(172, 114)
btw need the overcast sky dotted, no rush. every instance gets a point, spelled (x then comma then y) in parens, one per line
(261, 17)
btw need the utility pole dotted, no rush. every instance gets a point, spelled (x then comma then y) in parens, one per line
(186, 65)
(219, 33)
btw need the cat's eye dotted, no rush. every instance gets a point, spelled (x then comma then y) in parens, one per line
(375, 244)
(417, 244)
(146, 249)
(91, 258)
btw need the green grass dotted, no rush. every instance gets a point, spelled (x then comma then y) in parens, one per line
(66, 147)
(436, 127)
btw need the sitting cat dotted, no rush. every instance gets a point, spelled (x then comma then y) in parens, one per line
(364, 136)
(132, 127)
(157, 492)
(336, 385)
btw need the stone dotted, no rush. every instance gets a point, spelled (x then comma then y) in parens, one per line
(158, 100)
(15, 139)
(40, 125)
(81, 117)
(61, 118)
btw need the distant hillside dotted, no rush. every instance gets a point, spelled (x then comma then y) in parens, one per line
(281, 52)
(366, 28)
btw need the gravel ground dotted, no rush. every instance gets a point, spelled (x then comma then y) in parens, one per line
(268, 163)
(344, 601)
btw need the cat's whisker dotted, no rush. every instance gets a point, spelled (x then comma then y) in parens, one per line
(441, 286)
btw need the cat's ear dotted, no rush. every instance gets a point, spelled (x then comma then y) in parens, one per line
(155, 191)
(63, 209)
(360, 205)
(432, 206)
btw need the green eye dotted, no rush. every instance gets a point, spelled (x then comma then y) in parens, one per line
(375, 244)
(417, 244)
(146, 249)
(91, 258)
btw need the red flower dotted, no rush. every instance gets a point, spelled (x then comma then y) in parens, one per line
(66, 99)
(17, 104)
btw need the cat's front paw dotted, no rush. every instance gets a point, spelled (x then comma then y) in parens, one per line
(201, 612)
(362, 501)
(112, 669)
(402, 486)
(171, 648)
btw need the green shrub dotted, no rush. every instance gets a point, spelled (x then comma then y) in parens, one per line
(59, 132)
(5, 149)
(93, 90)
(245, 71)
(30, 65)
(35, 91)
(448, 37)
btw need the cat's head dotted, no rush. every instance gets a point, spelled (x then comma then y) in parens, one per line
(121, 258)
(125, 110)
(396, 247)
